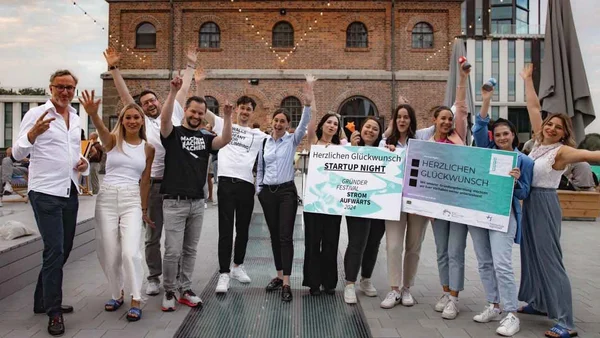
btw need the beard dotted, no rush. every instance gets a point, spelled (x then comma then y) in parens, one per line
(190, 123)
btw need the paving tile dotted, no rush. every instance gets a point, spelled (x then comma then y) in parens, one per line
(86, 333)
(384, 332)
(453, 333)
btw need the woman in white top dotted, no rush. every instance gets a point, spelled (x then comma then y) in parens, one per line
(545, 285)
(122, 202)
(410, 229)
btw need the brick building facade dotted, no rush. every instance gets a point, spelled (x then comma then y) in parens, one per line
(363, 52)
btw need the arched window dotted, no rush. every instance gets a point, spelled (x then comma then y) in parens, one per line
(294, 107)
(212, 104)
(210, 35)
(357, 36)
(283, 35)
(145, 36)
(422, 36)
(356, 109)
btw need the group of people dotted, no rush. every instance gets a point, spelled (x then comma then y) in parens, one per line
(157, 163)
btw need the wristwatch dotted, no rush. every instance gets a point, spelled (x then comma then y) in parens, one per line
(113, 67)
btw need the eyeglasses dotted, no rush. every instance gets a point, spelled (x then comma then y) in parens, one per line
(147, 102)
(61, 88)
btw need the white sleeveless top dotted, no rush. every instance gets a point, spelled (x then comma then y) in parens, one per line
(544, 176)
(126, 167)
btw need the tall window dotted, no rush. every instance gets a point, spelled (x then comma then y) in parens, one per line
(496, 67)
(90, 126)
(357, 36)
(520, 118)
(478, 68)
(528, 59)
(463, 18)
(495, 112)
(8, 124)
(510, 16)
(422, 36)
(112, 122)
(283, 35)
(24, 109)
(76, 106)
(212, 104)
(512, 71)
(145, 36)
(479, 17)
(294, 107)
(210, 35)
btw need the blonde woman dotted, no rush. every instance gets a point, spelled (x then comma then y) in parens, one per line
(122, 202)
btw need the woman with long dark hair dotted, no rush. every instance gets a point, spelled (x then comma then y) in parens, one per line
(122, 203)
(407, 233)
(321, 231)
(494, 248)
(364, 234)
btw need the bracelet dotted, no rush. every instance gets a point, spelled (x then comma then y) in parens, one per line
(461, 86)
(113, 67)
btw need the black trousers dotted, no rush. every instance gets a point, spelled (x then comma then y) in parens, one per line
(236, 199)
(364, 237)
(321, 239)
(56, 218)
(280, 205)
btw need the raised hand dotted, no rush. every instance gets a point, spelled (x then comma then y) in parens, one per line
(527, 72)
(402, 99)
(486, 95)
(111, 56)
(309, 93)
(176, 84)
(192, 56)
(88, 103)
(40, 127)
(355, 138)
(463, 73)
(199, 75)
(227, 109)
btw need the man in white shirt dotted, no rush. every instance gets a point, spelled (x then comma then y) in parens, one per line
(51, 134)
(236, 190)
(152, 108)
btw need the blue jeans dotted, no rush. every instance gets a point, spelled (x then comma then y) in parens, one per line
(450, 244)
(56, 219)
(494, 256)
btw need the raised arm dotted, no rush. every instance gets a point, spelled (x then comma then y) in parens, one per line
(91, 108)
(31, 128)
(199, 77)
(567, 155)
(309, 97)
(112, 59)
(533, 102)
(480, 128)
(311, 129)
(166, 125)
(460, 118)
(223, 139)
(188, 73)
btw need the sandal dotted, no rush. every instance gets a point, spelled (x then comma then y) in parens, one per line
(558, 331)
(529, 310)
(113, 305)
(134, 314)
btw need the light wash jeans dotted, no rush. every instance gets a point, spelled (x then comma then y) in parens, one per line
(118, 236)
(182, 226)
(494, 256)
(450, 244)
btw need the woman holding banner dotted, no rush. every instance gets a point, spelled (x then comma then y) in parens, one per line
(364, 234)
(277, 191)
(410, 228)
(321, 231)
(545, 285)
(494, 248)
(451, 237)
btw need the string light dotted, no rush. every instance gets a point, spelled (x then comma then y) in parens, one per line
(112, 41)
(439, 51)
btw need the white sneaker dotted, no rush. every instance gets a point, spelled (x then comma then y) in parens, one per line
(168, 302)
(367, 287)
(153, 289)
(205, 205)
(350, 294)
(215, 202)
(451, 310)
(407, 298)
(392, 299)
(240, 274)
(441, 304)
(489, 314)
(8, 189)
(189, 298)
(509, 326)
(223, 284)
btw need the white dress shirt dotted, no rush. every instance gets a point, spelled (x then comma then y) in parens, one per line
(54, 154)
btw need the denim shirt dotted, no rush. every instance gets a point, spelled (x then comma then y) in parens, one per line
(525, 164)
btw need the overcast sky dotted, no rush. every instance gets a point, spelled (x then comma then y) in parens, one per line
(40, 36)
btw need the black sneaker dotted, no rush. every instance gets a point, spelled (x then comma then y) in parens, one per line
(315, 291)
(275, 284)
(330, 291)
(63, 308)
(56, 325)
(286, 293)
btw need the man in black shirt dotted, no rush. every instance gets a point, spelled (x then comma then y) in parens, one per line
(187, 150)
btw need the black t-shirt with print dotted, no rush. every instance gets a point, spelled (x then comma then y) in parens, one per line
(186, 162)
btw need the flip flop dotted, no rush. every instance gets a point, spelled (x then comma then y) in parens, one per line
(529, 310)
(113, 305)
(134, 314)
(560, 332)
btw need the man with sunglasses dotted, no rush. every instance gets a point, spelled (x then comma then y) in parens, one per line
(152, 108)
(50, 134)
